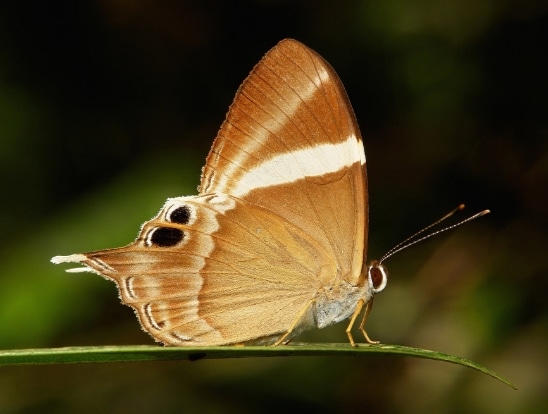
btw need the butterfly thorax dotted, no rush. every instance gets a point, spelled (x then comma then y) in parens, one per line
(334, 306)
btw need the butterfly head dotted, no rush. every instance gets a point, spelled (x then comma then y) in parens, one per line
(377, 276)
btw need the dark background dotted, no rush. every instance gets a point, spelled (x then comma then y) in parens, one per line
(109, 107)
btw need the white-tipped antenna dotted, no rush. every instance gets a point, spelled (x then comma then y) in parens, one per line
(409, 241)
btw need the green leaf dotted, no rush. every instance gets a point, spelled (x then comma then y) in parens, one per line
(141, 353)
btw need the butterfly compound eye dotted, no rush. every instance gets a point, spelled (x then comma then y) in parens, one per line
(378, 276)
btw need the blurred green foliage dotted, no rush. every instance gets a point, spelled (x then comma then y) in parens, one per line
(108, 108)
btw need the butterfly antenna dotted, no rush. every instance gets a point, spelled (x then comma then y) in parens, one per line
(411, 240)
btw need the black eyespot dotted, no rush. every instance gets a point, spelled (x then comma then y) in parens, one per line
(181, 215)
(166, 236)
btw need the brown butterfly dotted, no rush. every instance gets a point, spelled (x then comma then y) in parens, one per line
(275, 242)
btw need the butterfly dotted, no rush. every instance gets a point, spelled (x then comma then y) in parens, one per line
(276, 239)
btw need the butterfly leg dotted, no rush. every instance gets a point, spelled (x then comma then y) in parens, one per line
(368, 307)
(284, 338)
(359, 307)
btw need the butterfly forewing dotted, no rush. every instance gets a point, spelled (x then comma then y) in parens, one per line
(291, 144)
